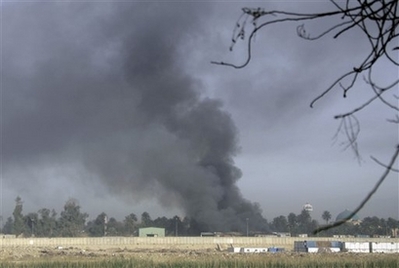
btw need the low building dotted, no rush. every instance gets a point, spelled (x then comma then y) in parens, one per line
(151, 232)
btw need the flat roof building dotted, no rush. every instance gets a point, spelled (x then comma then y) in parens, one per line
(151, 232)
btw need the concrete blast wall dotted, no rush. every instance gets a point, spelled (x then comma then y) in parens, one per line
(170, 242)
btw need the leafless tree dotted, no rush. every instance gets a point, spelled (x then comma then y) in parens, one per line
(378, 20)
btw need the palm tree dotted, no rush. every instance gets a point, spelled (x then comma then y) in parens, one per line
(326, 216)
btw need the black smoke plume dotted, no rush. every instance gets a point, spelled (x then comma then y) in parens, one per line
(105, 85)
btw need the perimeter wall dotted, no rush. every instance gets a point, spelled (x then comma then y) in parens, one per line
(174, 242)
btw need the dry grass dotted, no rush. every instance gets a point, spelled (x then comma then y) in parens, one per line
(123, 258)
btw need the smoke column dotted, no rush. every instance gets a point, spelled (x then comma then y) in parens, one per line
(104, 85)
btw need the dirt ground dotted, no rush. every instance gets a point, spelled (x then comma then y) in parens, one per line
(30, 253)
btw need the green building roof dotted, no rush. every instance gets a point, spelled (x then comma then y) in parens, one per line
(346, 213)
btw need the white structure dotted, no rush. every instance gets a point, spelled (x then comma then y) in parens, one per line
(254, 250)
(308, 207)
(357, 247)
(384, 247)
(371, 247)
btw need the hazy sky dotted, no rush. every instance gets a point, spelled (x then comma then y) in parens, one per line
(116, 104)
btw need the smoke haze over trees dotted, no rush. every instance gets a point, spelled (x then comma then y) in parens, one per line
(72, 222)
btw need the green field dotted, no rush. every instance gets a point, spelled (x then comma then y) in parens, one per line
(217, 260)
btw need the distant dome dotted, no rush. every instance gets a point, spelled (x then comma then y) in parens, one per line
(345, 214)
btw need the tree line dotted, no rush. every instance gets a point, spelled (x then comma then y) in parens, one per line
(304, 224)
(72, 222)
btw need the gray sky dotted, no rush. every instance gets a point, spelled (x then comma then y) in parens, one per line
(118, 106)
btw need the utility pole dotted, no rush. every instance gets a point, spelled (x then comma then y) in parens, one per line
(176, 226)
(32, 227)
(105, 225)
(247, 219)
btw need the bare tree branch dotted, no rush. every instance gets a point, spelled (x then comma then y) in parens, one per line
(378, 90)
(384, 165)
(378, 20)
(395, 121)
(350, 126)
(360, 14)
(388, 168)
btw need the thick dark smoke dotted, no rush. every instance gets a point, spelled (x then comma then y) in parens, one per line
(104, 85)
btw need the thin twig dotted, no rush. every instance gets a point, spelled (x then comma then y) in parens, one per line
(384, 165)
